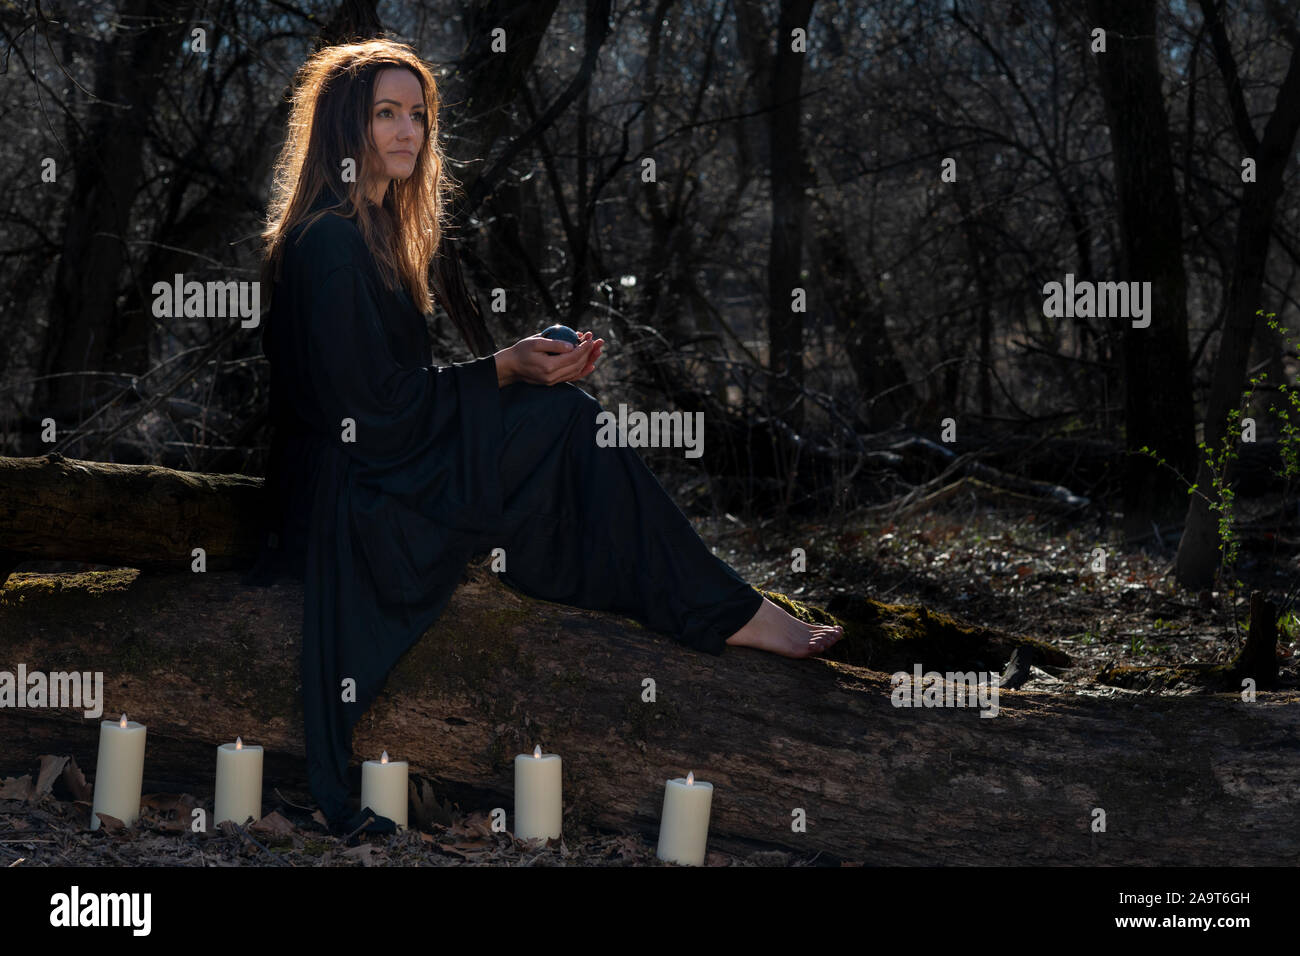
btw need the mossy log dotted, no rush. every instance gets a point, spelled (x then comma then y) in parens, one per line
(200, 658)
(55, 509)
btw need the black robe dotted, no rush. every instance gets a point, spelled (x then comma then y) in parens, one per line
(378, 528)
(445, 464)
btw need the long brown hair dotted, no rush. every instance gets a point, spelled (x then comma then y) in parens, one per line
(329, 123)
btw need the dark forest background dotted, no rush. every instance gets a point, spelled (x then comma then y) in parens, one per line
(773, 170)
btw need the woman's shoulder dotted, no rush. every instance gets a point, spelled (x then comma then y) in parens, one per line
(321, 243)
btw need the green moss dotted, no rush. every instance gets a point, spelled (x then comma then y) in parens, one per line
(1214, 677)
(315, 847)
(891, 637)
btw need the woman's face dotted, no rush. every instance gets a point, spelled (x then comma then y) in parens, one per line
(398, 123)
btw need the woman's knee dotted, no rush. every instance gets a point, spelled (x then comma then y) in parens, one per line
(561, 401)
(566, 400)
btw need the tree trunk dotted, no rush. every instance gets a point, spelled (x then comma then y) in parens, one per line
(140, 516)
(778, 76)
(1198, 551)
(85, 332)
(201, 659)
(861, 327)
(1158, 409)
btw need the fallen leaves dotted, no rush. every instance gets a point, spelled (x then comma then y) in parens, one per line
(17, 788)
(54, 770)
(167, 812)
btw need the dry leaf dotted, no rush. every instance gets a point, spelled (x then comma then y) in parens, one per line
(75, 781)
(51, 768)
(165, 824)
(17, 788)
(109, 823)
(627, 847)
(427, 810)
(273, 824)
(167, 812)
(169, 802)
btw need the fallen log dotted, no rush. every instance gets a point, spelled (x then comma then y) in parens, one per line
(142, 516)
(54, 508)
(200, 659)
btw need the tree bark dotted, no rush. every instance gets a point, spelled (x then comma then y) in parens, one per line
(86, 331)
(861, 327)
(779, 78)
(1158, 407)
(200, 659)
(141, 516)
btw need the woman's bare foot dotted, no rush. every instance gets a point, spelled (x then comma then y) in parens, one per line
(774, 629)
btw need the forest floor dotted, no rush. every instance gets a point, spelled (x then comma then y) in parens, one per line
(1030, 575)
(1023, 575)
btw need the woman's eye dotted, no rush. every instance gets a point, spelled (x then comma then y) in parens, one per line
(385, 112)
(419, 117)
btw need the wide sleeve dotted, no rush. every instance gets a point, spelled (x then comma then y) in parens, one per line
(408, 487)
(428, 436)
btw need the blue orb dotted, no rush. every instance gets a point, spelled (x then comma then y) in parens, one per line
(561, 333)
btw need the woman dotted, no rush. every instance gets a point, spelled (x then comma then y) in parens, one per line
(386, 473)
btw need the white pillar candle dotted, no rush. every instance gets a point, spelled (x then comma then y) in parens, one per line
(119, 771)
(538, 802)
(684, 822)
(239, 783)
(383, 788)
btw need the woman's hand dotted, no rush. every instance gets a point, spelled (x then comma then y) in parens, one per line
(528, 360)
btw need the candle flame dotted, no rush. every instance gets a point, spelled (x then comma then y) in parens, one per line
(239, 743)
(384, 758)
(537, 752)
(690, 779)
(122, 722)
